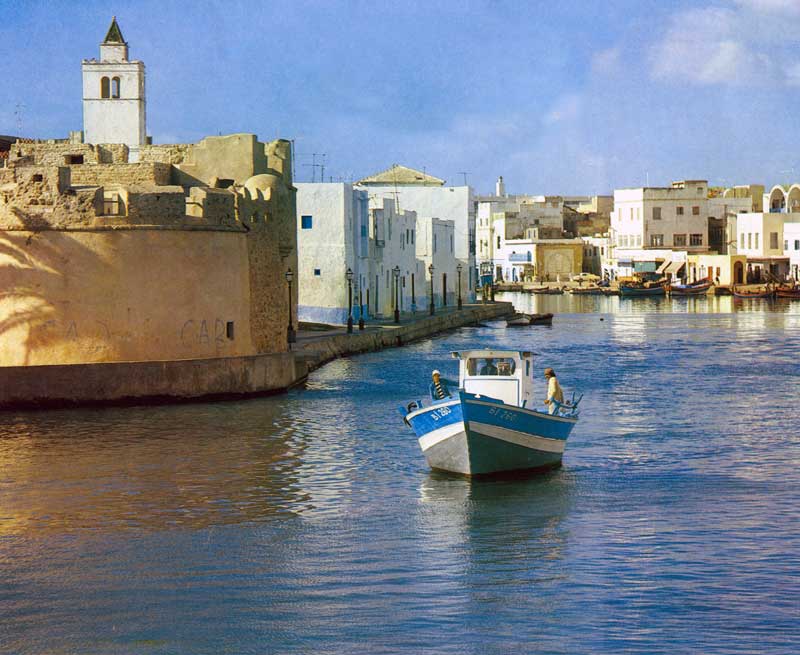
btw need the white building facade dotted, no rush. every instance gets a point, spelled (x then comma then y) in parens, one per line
(332, 237)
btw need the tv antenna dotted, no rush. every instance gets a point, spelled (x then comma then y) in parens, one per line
(314, 166)
(464, 173)
(18, 113)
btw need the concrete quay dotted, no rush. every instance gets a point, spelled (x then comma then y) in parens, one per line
(218, 378)
(317, 348)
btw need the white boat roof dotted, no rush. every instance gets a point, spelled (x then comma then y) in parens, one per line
(494, 354)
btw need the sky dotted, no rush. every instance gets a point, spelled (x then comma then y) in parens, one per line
(566, 97)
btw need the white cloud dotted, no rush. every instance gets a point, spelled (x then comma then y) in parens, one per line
(790, 7)
(565, 108)
(717, 46)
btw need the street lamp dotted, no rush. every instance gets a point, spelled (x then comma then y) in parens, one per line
(396, 272)
(360, 309)
(290, 335)
(349, 276)
(459, 268)
(430, 270)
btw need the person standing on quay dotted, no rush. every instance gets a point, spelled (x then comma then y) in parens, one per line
(554, 391)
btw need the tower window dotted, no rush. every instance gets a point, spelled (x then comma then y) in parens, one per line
(73, 159)
(105, 87)
(115, 87)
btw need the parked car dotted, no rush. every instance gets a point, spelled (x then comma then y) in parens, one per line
(585, 277)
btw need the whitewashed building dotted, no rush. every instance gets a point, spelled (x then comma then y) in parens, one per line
(430, 198)
(332, 237)
(760, 237)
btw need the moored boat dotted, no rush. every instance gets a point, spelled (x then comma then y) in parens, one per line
(525, 320)
(646, 289)
(486, 426)
(586, 291)
(792, 292)
(556, 291)
(752, 293)
(692, 289)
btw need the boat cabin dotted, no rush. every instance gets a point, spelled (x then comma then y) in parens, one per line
(505, 375)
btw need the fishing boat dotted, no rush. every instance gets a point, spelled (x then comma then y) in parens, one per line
(586, 291)
(792, 292)
(488, 424)
(524, 320)
(548, 291)
(642, 289)
(699, 288)
(753, 293)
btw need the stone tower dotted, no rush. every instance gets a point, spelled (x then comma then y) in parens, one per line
(113, 95)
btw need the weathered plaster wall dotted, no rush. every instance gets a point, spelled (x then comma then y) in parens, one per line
(122, 295)
(121, 174)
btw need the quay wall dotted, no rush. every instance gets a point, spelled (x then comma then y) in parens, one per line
(325, 349)
(137, 382)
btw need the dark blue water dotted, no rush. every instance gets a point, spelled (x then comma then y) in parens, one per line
(309, 523)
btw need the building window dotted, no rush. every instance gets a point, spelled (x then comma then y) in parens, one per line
(363, 230)
(695, 239)
(679, 211)
(74, 159)
(498, 241)
(786, 244)
(797, 244)
(229, 330)
(773, 240)
(755, 240)
(317, 272)
(37, 177)
(306, 222)
(412, 237)
(679, 240)
(695, 211)
(656, 240)
(434, 243)
(115, 87)
(749, 239)
(105, 87)
(638, 240)
(656, 213)
(451, 243)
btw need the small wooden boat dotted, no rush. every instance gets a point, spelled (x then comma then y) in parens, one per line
(635, 290)
(525, 320)
(489, 424)
(548, 291)
(694, 289)
(792, 293)
(587, 291)
(755, 293)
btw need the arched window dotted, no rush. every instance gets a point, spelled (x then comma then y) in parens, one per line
(104, 87)
(115, 87)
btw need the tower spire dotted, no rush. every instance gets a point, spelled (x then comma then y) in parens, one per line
(114, 34)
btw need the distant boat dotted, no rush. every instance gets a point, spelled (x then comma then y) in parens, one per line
(693, 289)
(524, 320)
(792, 292)
(555, 291)
(758, 293)
(646, 289)
(586, 291)
(484, 427)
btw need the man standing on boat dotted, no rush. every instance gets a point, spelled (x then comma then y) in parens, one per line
(554, 391)
(440, 388)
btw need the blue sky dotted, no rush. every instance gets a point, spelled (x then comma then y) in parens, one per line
(558, 97)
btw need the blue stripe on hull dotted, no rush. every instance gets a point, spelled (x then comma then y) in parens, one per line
(435, 417)
(515, 418)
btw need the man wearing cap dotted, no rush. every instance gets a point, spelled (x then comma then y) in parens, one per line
(440, 386)
(553, 390)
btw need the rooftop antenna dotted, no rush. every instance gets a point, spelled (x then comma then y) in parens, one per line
(464, 173)
(314, 165)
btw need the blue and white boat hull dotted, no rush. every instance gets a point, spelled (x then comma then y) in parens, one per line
(477, 435)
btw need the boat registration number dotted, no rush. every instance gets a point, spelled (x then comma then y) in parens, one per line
(502, 414)
(436, 414)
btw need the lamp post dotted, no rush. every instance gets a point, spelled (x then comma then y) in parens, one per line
(349, 276)
(290, 335)
(459, 268)
(360, 309)
(396, 273)
(432, 307)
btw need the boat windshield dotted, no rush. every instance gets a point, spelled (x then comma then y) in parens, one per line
(490, 366)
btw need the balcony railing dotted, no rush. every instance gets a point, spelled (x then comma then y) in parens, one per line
(520, 257)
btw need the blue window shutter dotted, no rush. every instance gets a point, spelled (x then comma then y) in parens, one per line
(306, 222)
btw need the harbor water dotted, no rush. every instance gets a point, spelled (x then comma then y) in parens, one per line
(309, 522)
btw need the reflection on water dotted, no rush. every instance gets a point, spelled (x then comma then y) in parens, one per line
(310, 523)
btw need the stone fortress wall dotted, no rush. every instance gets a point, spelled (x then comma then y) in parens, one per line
(180, 255)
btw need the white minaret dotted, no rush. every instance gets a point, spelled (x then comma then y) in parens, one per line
(113, 95)
(500, 187)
